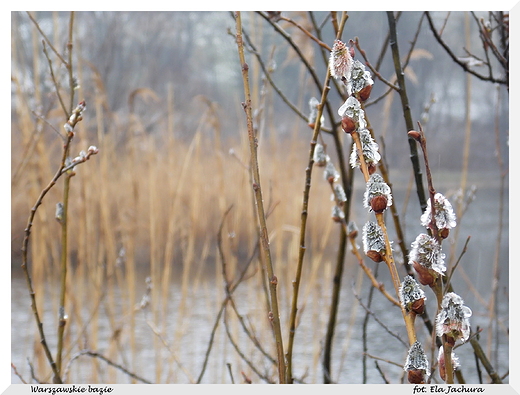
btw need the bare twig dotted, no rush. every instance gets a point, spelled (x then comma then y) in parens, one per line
(385, 327)
(462, 64)
(95, 354)
(406, 109)
(274, 314)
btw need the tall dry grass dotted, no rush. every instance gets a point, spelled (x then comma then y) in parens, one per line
(150, 205)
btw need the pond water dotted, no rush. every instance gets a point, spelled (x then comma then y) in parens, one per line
(177, 356)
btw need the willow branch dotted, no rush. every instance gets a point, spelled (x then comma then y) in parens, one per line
(462, 64)
(274, 314)
(406, 109)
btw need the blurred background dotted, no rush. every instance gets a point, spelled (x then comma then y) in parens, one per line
(164, 93)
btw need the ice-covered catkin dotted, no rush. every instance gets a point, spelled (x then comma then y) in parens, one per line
(453, 318)
(352, 115)
(373, 241)
(417, 364)
(313, 112)
(330, 173)
(378, 195)
(445, 218)
(320, 158)
(337, 214)
(339, 194)
(370, 151)
(427, 259)
(360, 81)
(411, 295)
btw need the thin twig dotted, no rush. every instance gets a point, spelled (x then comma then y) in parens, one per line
(306, 32)
(274, 314)
(463, 65)
(304, 60)
(46, 39)
(13, 366)
(95, 354)
(303, 223)
(406, 109)
(242, 355)
(73, 120)
(378, 320)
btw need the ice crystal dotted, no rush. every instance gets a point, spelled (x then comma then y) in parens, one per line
(373, 238)
(320, 157)
(330, 174)
(337, 214)
(410, 292)
(416, 359)
(359, 78)
(376, 187)
(352, 109)
(427, 253)
(453, 319)
(369, 147)
(313, 114)
(444, 215)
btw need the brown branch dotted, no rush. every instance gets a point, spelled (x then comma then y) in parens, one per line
(463, 65)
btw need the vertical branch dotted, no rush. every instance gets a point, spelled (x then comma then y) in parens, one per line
(274, 314)
(69, 63)
(406, 109)
(304, 213)
(347, 179)
(62, 321)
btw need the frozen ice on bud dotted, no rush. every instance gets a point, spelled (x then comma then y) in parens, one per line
(68, 127)
(350, 108)
(352, 115)
(340, 61)
(337, 214)
(411, 295)
(352, 230)
(330, 174)
(442, 363)
(370, 151)
(271, 67)
(417, 364)
(339, 194)
(453, 318)
(313, 106)
(445, 218)
(360, 81)
(378, 195)
(427, 259)
(320, 157)
(374, 244)
(59, 212)
(92, 150)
